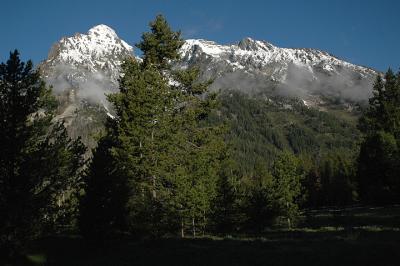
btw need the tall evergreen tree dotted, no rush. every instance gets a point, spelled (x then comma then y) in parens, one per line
(201, 152)
(102, 207)
(39, 164)
(379, 165)
(166, 156)
(286, 186)
(144, 108)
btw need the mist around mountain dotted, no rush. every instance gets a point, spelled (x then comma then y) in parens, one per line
(84, 68)
(90, 63)
(253, 66)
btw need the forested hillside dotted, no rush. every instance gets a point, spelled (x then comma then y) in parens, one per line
(260, 128)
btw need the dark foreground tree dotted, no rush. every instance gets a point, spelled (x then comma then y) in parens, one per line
(275, 194)
(227, 216)
(330, 179)
(379, 159)
(102, 208)
(39, 165)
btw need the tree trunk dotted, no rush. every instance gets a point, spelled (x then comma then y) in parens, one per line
(204, 222)
(154, 187)
(154, 160)
(182, 229)
(194, 227)
(140, 147)
(288, 219)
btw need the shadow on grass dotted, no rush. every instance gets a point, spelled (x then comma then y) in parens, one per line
(277, 248)
(354, 217)
(349, 236)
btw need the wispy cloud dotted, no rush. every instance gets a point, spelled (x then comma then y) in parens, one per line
(214, 25)
(190, 33)
(204, 26)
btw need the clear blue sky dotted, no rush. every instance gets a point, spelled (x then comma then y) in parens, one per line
(363, 32)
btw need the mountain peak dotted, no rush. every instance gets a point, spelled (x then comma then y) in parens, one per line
(98, 49)
(90, 62)
(102, 30)
(250, 44)
(83, 69)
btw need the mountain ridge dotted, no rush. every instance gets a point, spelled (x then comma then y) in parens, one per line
(101, 52)
(260, 61)
(83, 68)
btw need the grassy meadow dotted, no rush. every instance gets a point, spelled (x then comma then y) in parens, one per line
(350, 236)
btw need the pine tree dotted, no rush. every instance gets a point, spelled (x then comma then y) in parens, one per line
(378, 163)
(102, 207)
(161, 45)
(188, 150)
(167, 157)
(383, 111)
(202, 149)
(58, 161)
(286, 186)
(144, 107)
(378, 168)
(39, 164)
(372, 120)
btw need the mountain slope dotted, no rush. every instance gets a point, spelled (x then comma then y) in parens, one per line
(261, 128)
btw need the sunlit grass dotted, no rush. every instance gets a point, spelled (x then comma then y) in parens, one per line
(37, 259)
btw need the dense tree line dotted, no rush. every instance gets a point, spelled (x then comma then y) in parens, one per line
(326, 145)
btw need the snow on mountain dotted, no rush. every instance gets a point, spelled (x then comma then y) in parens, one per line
(82, 69)
(90, 63)
(259, 54)
(100, 48)
(252, 65)
(85, 67)
(84, 61)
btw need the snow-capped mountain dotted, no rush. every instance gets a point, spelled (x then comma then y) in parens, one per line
(82, 69)
(90, 64)
(100, 50)
(255, 66)
(258, 55)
